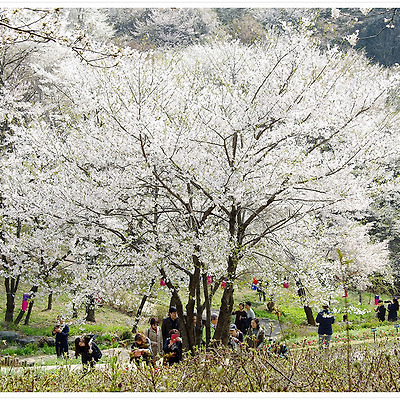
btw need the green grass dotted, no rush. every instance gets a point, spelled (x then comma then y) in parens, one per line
(111, 322)
(27, 350)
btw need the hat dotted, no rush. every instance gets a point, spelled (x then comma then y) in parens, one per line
(325, 304)
(233, 327)
(172, 309)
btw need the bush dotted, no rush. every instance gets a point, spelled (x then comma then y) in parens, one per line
(48, 350)
(307, 369)
(126, 335)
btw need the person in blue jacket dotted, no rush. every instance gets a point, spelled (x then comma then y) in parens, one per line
(325, 319)
(61, 331)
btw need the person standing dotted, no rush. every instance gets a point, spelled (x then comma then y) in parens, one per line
(214, 323)
(249, 314)
(240, 318)
(325, 319)
(61, 331)
(380, 311)
(255, 334)
(393, 307)
(155, 335)
(170, 322)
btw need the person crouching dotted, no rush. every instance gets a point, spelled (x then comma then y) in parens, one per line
(141, 349)
(88, 350)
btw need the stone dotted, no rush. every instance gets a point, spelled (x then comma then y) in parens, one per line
(9, 335)
(49, 340)
(25, 341)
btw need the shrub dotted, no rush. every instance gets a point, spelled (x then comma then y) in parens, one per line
(307, 369)
(126, 335)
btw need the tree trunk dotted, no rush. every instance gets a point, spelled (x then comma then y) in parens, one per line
(309, 315)
(74, 311)
(11, 285)
(22, 313)
(236, 230)
(207, 306)
(90, 308)
(140, 309)
(198, 329)
(194, 290)
(31, 301)
(225, 310)
(224, 317)
(19, 317)
(50, 301)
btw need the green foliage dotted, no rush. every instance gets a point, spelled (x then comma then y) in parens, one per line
(48, 350)
(219, 371)
(36, 330)
(27, 350)
(126, 335)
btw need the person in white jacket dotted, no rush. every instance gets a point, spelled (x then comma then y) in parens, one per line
(154, 333)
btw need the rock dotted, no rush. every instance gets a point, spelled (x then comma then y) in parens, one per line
(25, 341)
(50, 341)
(9, 335)
(38, 340)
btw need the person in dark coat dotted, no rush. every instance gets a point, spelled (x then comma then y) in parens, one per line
(173, 347)
(325, 319)
(240, 318)
(88, 350)
(141, 349)
(380, 311)
(393, 307)
(61, 332)
(170, 322)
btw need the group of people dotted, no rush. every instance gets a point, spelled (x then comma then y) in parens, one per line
(157, 341)
(246, 326)
(84, 345)
(392, 308)
(325, 319)
(166, 341)
(243, 316)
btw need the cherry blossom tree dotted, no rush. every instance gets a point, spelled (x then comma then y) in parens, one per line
(307, 256)
(165, 26)
(43, 26)
(36, 37)
(186, 163)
